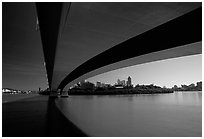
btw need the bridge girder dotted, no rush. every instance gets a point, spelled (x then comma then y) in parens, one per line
(179, 36)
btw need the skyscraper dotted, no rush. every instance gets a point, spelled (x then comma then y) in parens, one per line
(98, 84)
(129, 81)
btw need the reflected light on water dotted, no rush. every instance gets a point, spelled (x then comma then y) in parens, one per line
(170, 115)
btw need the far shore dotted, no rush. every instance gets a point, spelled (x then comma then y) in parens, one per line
(188, 91)
(6, 97)
(119, 91)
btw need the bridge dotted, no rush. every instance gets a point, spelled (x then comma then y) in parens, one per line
(81, 40)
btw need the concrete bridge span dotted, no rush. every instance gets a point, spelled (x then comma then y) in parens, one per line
(81, 40)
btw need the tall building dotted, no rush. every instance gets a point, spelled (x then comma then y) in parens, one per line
(122, 82)
(98, 84)
(199, 84)
(118, 81)
(129, 81)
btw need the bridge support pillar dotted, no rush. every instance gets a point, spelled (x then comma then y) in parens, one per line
(58, 93)
(54, 93)
(64, 94)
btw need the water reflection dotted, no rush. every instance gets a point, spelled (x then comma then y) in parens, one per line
(177, 114)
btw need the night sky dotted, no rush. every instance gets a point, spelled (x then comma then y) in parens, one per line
(22, 57)
(22, 54)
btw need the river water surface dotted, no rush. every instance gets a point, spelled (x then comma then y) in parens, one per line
(169, 115)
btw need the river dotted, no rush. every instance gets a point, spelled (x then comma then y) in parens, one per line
(177, 114)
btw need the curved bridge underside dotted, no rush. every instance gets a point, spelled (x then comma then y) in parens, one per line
(93, 38)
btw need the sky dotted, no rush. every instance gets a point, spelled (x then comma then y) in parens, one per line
(169, 72)
(23, 60)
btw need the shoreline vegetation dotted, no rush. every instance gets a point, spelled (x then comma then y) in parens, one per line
(119, 91)
(88, 88)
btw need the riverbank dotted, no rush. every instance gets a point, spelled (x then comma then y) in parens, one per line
(119, 91)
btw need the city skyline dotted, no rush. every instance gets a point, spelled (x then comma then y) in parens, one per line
(184, 70)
